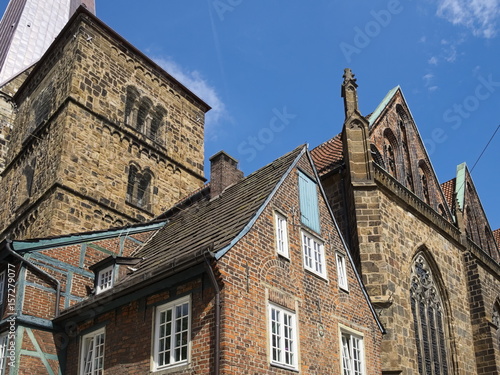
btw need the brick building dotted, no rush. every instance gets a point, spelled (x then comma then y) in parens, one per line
(426, 252)
(256, 277)
(252, 272)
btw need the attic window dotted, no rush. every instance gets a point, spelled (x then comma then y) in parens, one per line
(104, 279)
(109, 270)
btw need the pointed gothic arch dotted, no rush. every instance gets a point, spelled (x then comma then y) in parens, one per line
(403, 121)
(429, 317)
(391, 150)
(425, 181)
(377, 156)
(495, 320)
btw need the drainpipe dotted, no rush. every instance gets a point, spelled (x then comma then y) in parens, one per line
(37, 270)
(217, 311)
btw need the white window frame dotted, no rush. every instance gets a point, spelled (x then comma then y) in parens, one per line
(282, 331)
(105, 279)
(352, 353)
(175, 317)
(281, 224)
(3, 276)
(342, 271)
(4, 343)
(90, 356)
(313, 253)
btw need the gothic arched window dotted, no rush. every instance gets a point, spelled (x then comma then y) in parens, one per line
(402, 122)
(495, 319)
(390, 147)
(377, 156)
(424, 173)
(428, 320)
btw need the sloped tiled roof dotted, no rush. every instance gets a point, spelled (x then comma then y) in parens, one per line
(448, 188)
(496, 235)
(211, 222)
(328, 155)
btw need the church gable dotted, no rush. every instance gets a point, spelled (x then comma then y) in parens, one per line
(397, 147)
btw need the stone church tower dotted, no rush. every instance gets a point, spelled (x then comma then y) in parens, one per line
(27, 29)
(426, 252)
(101, 137)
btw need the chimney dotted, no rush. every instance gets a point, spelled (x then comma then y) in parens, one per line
(224, 172)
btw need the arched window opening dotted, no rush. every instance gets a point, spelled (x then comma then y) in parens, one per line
(143, 115)
(495, 319)
(390, 149)
(428, 320)
(156, 123)
(132, 177)
(143, 189)
(424, 173)
(131, 105)
(26, 182)
(377, 156)
(402, 122)
(139, 187)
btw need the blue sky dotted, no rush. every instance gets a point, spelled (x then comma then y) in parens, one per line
(263, 63)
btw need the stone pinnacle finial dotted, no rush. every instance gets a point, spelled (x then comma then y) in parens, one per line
(349, 93)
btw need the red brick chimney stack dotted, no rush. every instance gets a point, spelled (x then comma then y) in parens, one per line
(224, 172)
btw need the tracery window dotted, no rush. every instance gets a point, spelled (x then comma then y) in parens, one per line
(428, 320)
(377, 156)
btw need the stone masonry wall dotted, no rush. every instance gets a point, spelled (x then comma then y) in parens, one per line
(72, 134)
(387, 262)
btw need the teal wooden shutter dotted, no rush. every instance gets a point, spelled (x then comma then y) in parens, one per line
(309, 210)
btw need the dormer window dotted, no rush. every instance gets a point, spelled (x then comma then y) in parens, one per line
(109, 270)
(104, 279)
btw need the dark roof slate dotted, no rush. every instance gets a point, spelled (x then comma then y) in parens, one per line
(328, 155)
(211, 222)
(496, 235)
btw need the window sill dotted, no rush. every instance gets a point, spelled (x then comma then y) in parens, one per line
(172, 369)
(136, 206)
(285, 367)
(318, 275)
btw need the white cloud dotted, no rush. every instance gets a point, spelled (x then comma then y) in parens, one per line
(432, 88)
(194, 81)
(480, 16)
(433, 60)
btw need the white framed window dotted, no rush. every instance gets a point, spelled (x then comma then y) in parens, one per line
(172, 334)
(281, 234)
(4, 343)
(283, 337)
(341, 271)
(314, 254)
(2, 285)
(104, 279)
(353, 361)
(92, 353)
